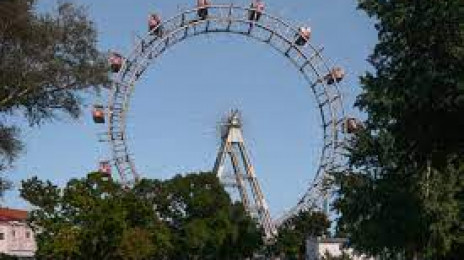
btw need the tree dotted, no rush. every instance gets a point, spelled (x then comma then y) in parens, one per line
(187, 217)
(403, 194)
(46, 62)
(136, 243)
(205, 224)
(291, 241)
(243, 238)
(93, 218)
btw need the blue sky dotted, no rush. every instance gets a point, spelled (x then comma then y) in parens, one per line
(179, 101)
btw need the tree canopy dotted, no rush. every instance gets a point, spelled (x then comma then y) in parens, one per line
(404, 192)
(187, 217)
(46, 61)
(291, 241)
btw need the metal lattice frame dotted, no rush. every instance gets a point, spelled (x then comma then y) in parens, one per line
(231, 19)
(245, 180)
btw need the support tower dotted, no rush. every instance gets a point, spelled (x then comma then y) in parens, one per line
(243, 178)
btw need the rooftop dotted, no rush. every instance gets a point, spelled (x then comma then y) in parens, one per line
(7, 214)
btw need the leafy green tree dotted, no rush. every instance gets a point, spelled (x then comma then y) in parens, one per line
(93, 218)
(205, 224)
(404, 192)
(187, 217)
(46, 62)
(136, 243)
(243, 239)
(291, 240)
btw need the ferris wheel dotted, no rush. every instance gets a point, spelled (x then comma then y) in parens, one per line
(293, 42)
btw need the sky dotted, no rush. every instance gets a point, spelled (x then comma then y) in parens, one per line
(178, 102)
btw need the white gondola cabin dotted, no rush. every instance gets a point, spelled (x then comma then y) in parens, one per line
(256, 10)
(115, 61)
(154, 24)
(303, 36)
(353, 125)
(336, 75)
(203, 8)
(105, 168)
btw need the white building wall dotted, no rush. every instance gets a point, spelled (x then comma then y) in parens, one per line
(18, 239)
(3, 244)
(334, 249)
(317, 248)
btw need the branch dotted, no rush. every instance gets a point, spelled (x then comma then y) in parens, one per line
(27, 91)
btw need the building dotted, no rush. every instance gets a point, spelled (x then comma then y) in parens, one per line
(317, 248)
(16, 238)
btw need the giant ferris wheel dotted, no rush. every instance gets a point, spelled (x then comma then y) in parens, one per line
(293, 42)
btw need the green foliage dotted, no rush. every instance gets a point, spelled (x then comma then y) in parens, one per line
(7, 257)
(205, 224)
(404, 192)
(188, 217)
(46, 62)
(136, 243)
(291, 240)
(243, 238)
(89, 218)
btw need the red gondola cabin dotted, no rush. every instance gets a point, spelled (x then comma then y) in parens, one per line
(98, 114)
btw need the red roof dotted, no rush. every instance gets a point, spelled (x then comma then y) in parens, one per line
(13, 214)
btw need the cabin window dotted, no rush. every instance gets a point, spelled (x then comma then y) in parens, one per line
(2, 236)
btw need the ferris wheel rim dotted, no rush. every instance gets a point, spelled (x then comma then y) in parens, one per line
(333, 121)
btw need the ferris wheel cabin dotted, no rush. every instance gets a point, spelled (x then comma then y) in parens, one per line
(115, 61)
(203, 8)
(98, 114)
(353, 125)
(256, 10)
(154, 24)
(105, 168)
(303, 36)
(336, 75)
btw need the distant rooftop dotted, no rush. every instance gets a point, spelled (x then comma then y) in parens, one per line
(7, 214)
